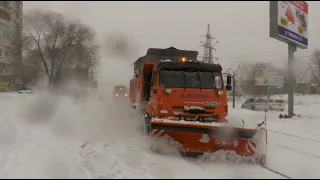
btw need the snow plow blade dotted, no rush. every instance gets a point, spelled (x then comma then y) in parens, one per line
(198, 138)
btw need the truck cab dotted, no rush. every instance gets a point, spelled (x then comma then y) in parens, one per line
(120, 94)
(187, 90)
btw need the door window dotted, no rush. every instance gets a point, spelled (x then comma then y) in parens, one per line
(249, 100)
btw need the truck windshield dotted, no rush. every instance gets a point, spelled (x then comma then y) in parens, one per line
(183, 79)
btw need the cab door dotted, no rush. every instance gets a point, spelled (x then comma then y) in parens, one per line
(153, 94)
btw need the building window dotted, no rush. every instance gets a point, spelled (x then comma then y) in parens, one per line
(18, 9)
(4, 15)
(6, 53)
(18, 5)
(1, 53)
(18, 15)
(18, 28)
(5, 3)
(2, 65)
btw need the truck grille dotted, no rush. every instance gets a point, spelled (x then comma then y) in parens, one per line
(207, 110)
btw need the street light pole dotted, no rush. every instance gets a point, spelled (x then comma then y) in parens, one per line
(234, 90)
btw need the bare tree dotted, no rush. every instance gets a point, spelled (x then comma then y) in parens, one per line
(59, 43)
(315, 66)
(245, 77)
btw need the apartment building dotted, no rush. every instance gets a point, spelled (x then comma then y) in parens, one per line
(10, 44)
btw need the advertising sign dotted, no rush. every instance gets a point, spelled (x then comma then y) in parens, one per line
(289, 22)
(268, 78)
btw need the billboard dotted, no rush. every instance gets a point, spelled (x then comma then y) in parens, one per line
(289, 22)
(268, 78)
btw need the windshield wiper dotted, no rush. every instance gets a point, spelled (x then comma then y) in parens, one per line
(199, 80)
(185, 81)
(214, 82)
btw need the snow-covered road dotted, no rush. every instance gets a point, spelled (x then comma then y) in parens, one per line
(44, 136)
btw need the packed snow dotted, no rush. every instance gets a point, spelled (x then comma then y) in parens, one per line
(50, 136)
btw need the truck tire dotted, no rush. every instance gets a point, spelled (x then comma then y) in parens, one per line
(146, 125)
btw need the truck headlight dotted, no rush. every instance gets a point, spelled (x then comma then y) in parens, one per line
(125, 94)
(220, 93)
(168, 91)
(117, 94)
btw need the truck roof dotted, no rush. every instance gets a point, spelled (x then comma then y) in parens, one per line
(156, 54)
(171, 65)
(172, 51)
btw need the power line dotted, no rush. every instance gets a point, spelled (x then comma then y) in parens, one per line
(259, 40)
(269, 62)
(241, 33)
(276, 53)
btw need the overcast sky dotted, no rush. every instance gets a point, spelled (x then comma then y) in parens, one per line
(242, 28)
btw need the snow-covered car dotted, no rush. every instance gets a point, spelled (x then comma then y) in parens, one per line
(25, 91)
(276, 104)
(256, 104)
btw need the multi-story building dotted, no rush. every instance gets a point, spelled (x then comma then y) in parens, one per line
(10, 44)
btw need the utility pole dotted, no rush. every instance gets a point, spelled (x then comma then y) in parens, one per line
(234, 84)
(291, 49)
(208, 46)
(234, 90)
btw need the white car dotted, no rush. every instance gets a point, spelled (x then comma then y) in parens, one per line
(256, 104)
(276, 104)
(25, 91)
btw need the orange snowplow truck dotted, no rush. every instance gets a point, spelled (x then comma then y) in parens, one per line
(186, 100)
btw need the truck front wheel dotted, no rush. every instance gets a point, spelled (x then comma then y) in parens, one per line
(146, 125)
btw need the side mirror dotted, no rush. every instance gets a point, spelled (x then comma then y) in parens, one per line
(228, 87)
(228, 80)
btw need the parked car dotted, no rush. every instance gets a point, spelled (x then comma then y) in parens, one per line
(256, 104)
(276, 104)
(25, 91)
